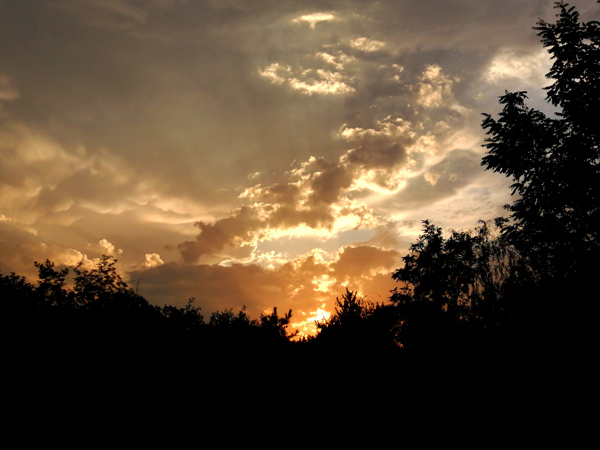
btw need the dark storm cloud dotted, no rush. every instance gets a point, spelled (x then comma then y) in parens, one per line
(223, 232)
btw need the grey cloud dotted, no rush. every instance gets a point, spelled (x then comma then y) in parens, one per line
(462, 25)
(386, 236)
(315, 217)
(377, 153)
(280, 193)
(310, 192)
(440, 181)
(122, 92)
(378, 148)
(328, 184)
(22, 245)
(160, 105)
(224, 232)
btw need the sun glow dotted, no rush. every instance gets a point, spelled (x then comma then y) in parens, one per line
(308, 326)
(323, 283)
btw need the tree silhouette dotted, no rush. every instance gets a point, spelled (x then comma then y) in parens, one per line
(359, 329)
(277, 326)
(554, 162)
(52, 284)
(455, 288)
(100, 282)
(555, 165)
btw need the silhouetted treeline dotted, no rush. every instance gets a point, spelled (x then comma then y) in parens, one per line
(100, 315)
(518, 287)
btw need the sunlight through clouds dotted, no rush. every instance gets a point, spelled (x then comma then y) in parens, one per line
(366, 44)
(314, 19)
(323, 82)
(251, 153)
(309, 81)
(530, 68)
(435, 88)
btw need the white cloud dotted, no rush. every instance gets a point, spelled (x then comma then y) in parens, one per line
(339, 61)
(366, 44)
(432, 177)
(527, 67)
(435, 88)
(309, 81)
(108, 248)
(276, 73)
(322, 82)
(152, 260)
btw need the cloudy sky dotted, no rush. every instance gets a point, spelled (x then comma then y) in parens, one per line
(260, 153)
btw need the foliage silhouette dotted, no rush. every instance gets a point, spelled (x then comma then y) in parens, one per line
(456, 293)
(277, 326)
(100, 320)
(359, 329)
(554, 163)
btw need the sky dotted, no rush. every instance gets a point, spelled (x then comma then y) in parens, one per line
(253, 153)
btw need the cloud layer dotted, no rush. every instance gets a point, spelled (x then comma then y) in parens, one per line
(257, 153)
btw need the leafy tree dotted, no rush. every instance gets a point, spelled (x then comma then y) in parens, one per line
(99, 282)
(455, 284)
(228, 319)
(228, 331)
(52, 284)
(14, 287)
(188, 319)
(554, 161)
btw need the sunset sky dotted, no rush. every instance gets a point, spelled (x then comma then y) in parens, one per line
(260, 153)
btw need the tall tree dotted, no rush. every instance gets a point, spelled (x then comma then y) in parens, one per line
(554, 161)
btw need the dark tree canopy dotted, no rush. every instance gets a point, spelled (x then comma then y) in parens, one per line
(462, 276)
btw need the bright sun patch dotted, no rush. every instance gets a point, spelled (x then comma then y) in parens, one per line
(313, 19)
